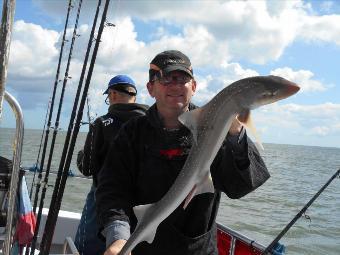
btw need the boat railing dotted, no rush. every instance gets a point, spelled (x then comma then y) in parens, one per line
(231, 242)
(14, 175)
(69, 245)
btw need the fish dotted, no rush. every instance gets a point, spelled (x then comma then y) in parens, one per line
(209, 126)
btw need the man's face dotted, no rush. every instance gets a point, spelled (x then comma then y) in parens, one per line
(173, 91)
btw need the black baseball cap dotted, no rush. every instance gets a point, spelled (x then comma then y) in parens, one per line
(168, 61)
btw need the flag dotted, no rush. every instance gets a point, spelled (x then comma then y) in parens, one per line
(26, 220)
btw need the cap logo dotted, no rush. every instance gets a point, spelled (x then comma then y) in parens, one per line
(174, 61)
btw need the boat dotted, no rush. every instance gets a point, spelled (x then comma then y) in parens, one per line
(229, 242)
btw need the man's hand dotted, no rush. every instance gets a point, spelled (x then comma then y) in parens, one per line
(115, 247)
(235, 127)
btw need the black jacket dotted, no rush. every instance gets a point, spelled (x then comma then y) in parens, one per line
(101, 133)
(142, 164)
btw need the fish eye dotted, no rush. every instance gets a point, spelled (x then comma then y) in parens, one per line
(266, 94)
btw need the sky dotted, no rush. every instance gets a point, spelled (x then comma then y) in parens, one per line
(225, 40)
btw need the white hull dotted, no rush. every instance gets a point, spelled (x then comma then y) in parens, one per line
(66, 227)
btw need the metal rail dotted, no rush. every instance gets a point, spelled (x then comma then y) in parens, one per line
(69, 244)
(238, 236)
(19, 136)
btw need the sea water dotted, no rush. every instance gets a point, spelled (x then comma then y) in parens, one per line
(297, 174)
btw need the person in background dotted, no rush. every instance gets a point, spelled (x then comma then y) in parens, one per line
(146, 157)
(121, 96)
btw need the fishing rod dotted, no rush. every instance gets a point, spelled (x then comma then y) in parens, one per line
(300, 213)
(57, 204)
(55, 131)
(41, 141)
(61, 179)
(37, 190)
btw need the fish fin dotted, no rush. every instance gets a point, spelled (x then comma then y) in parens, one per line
(205, 186)
(189, 197)
(190, 120)
(149, 238)
(246, 119)
(140, 211)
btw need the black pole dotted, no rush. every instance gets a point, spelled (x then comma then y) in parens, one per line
(55, 131)
(51, 111)
(70, 127)
(302, 211)
(40, 146)
(75, 132)
(60, 183)
(37, 167)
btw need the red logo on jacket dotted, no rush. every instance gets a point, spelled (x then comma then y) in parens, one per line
(170, 153)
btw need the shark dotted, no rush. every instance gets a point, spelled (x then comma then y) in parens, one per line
(209, 126)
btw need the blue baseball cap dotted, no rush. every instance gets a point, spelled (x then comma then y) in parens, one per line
(122, 83)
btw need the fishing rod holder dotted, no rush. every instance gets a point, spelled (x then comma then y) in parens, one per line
(109, 24)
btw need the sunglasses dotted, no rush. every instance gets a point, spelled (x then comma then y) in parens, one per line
(177, 79)
(107, 100)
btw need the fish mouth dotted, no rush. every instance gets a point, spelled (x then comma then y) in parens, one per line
(292, 88)
(287, 90)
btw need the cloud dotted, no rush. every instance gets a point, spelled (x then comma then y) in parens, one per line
(275, 117)
(321, 28)
(234, 72)
(216, 42)
(321, 131)
(203, 92)
(33, 50)
(122, 52)
(208, 86)
(256, 31)
(321, 119)
(333, 129)
(319, 110)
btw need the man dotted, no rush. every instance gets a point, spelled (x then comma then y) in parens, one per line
(121, 96)
(146, 157)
